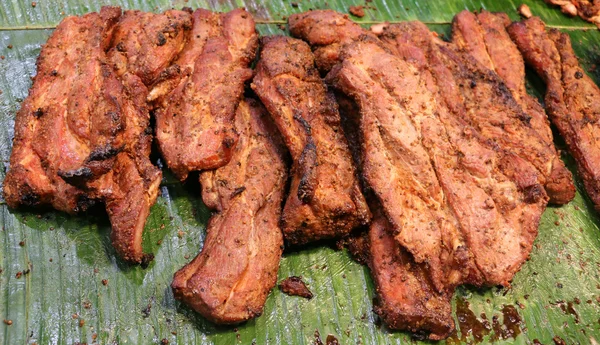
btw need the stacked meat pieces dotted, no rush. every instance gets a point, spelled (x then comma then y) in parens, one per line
(439, 139)
(453, 151)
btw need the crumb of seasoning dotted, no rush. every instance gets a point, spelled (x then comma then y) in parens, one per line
(8, 322)
(94, 336)
(10, 46)
(159, 242)
(2, 57)
(18, 275)
(164, 341)
(87, 305)
(81, 323)
(294, 4)
(186, 256)
(525, 11)
(104, 282)
(33, 4)
(357, 11)
(180, 234)
(22, 243)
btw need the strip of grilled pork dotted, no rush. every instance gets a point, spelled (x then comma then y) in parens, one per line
(571, 95)
(228, 282)
(325, 199)
(484, 36)
(196, 97)
(82, 134)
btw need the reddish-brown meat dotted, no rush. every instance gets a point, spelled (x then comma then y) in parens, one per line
(197, 97)
(484, 36)
(295, 286)
(145, 44)
(501, 232)
(228, 282)
(571, 96)
(461, 202)
(406, 298)
(327, 31)
(81, 135)
(325, 200)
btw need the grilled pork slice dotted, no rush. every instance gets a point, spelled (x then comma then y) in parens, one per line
(484, 36)
(196, 97)
(571, 96)
(406, 298)
(325, 199)
(327, 31)
(469, 212)
(228, 282)
(82, 134)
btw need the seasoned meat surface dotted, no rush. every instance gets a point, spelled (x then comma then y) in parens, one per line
(228, 282)
(571, 95)
(327, 31)
(419, 154)
(145, 44)
(325, 199)
(485, 37)
(500, 233)
(82, 134)
(406, 298)
(197, 97)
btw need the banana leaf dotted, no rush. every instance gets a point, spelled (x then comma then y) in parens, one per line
(61, 283)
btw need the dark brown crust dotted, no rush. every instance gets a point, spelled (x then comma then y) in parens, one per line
(406, 298)
(83, 125)
(484, 36)
(295, 286)
(197, 97)
(571, 95)
(325, 200)
(228, 282)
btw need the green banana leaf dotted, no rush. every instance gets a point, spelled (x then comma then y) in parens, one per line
(60, 282)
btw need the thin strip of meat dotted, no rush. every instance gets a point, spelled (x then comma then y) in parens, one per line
(325, 199)
(82, 135)
(484, 36)
(406, 298)
(196, 98)
(571, 96)
(228, 282)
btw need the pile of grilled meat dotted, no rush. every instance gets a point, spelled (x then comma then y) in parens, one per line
(433, 148)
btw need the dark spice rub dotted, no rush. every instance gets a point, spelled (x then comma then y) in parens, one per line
(325, 199)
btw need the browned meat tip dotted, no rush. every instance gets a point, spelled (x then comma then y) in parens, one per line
(484, 36)
(571, 96)
(196, 97)
(294, 286)
(145, 44)
(228, 282)
(406, 298)
(469, 211)
(327, 32)
(325, 199)
(82, 134)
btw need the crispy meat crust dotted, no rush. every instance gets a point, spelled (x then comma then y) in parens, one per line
(197, 97)
(228, 282)
(325, 200)
(82, 134)
(571, 95)
(484, 36)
